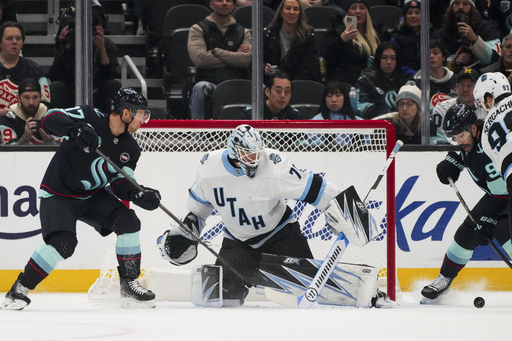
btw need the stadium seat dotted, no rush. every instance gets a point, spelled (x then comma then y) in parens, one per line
(306, 92)
(231, 111)
(385, 17)
(243, 16)
(232, 91)
(318, 16)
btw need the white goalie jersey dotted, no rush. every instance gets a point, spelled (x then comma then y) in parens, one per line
(254, 209)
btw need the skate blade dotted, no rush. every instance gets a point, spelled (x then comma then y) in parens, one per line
(385, 303)
(130, 303)
(430, 301)
(10, 304)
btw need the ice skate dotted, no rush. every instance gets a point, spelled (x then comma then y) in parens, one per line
(16, 298)
(133, 295)
(382, 300)
(438, 287)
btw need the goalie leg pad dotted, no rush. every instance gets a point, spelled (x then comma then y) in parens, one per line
(347, 214)
(176, 247)
(207, 286)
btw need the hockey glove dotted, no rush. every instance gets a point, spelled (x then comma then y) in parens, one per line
(450, 167)
(484, 230)
(148, 200)
(85, 137)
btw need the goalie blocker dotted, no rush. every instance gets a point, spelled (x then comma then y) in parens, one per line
(347, 214)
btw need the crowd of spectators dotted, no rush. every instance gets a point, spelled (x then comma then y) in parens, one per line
(465, 35)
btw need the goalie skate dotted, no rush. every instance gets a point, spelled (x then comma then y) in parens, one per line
(134, 295)
(16, 298)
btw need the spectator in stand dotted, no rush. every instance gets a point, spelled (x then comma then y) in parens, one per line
(14, 67)
(335, 103)
(62, 71)
(442, 79)
(277, 106)
(471, 41)
(379, 84)
(7, 11)
(289, 43)
(408, 37)
(466, 80)
(504, 64)
(21, 124)
(221, 50)
(348, 49)
(407, 121)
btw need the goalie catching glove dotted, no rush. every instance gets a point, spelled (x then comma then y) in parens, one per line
(347, 214)
(177, 246)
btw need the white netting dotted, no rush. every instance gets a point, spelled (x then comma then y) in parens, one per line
(346, 155)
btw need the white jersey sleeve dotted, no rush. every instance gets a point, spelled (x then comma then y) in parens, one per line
(252, 207)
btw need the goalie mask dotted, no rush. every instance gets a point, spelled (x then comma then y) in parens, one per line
(458, 118)
(127, 98)
(493, 84)
(245, 145)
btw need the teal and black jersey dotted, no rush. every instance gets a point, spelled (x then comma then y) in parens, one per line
(483, 171)
(73, 172)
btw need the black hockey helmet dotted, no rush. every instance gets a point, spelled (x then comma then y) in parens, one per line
(127, 98)
(458, 118)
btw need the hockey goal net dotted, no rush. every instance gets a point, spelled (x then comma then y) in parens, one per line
(345, 152)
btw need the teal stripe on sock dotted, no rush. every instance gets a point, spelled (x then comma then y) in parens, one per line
(458, 254)
(128, 244)
(47, 257)
(508, 247)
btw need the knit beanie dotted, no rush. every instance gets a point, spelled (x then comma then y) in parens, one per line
(350, 2)
(409, 91)
(411, 4)
(470, 1)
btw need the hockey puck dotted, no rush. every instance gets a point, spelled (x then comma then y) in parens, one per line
(479, 302)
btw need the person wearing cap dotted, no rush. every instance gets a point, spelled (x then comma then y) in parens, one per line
(408, 36)
(504, 64)
(104, 69)
(14, 67)
(348, 49)
(21, 124)
(407, 120)
(464, 87)
(470, 40)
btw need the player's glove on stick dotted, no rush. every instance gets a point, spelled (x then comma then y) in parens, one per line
(148, 200)
(484, 230)
(450, 167)
(85, 137)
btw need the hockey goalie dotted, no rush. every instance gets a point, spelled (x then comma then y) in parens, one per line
(248, 184)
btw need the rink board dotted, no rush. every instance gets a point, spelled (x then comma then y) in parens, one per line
(428, 213)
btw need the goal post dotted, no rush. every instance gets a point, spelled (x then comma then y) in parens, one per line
(351, 152)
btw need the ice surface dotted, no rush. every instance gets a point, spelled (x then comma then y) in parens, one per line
(58, 316)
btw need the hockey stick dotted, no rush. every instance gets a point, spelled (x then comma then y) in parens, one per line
(329, 263)
(468, 211)
(176, 219)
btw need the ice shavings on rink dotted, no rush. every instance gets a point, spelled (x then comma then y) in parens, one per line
(71, 317)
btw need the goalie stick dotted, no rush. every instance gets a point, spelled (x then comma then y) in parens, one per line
(468, 211)
(331, 259)
(176, 219)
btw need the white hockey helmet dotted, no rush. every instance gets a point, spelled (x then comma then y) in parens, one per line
(492, 84)
(245, 145)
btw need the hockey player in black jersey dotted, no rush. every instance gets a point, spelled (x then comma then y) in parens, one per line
(73, 188)
(462, 125)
